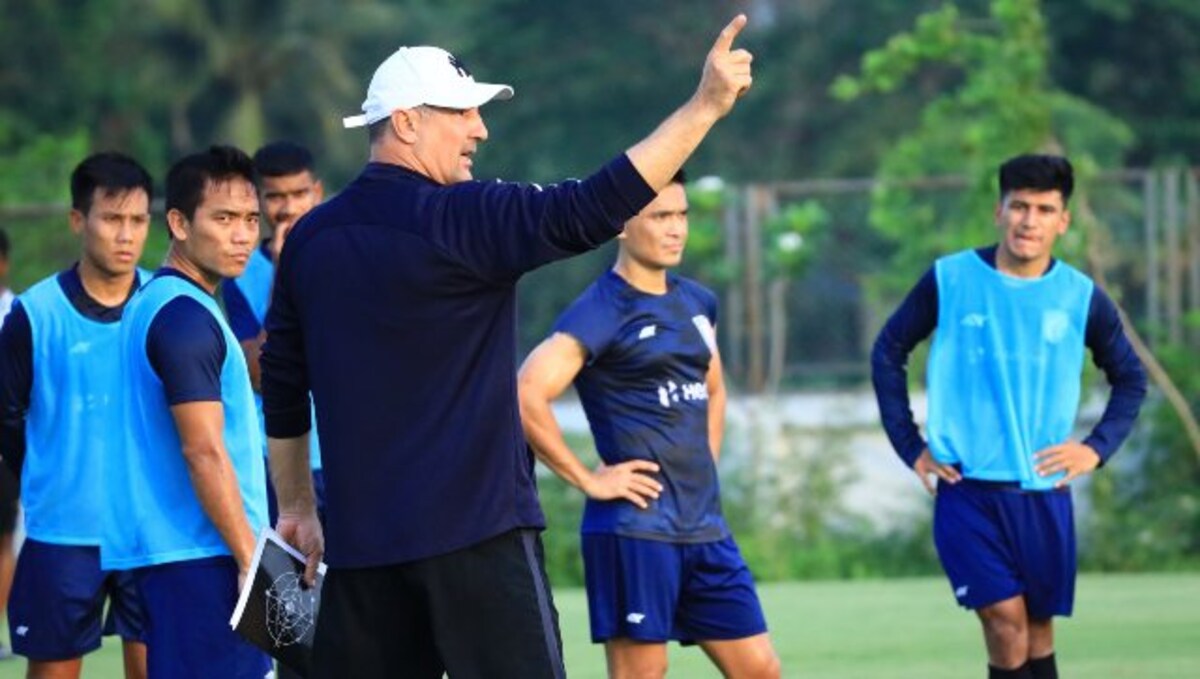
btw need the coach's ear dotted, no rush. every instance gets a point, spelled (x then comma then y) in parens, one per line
(405, 122)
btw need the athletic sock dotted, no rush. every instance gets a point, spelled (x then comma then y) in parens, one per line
(1043, 668)
(1021, 672)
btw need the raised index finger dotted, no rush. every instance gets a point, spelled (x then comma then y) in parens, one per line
(725, 38)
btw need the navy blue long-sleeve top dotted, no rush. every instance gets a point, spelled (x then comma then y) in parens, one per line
(395, 302)
(916, 319)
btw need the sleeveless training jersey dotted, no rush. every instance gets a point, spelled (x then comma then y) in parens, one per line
(1005, 368)
(645, 393)
(70, 427)
(161, 519)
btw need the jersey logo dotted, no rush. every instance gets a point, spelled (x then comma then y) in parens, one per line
(668, 394)
(673, 393)
(648, 332)
(974, 320)
(1055, 324)
(960, 592)
(635, 618)
(80, 347)
(22, 630)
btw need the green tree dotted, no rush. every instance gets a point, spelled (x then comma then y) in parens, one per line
(1004, 104)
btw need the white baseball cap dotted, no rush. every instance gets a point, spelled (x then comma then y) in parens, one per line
(413, 76)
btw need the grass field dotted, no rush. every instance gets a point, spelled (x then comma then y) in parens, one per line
(1135, 626)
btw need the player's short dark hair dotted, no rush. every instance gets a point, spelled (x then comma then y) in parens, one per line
(283, 158)
(4, 244)
(1037, 172)
(189, 176)
(111, 173)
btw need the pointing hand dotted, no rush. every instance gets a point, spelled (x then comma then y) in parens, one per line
(726, 71)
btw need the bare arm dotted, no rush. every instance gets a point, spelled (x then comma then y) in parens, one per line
(251, 349)
(726, 77)
(716, 404)
(292, 480)
(201, 427)
(546, 373)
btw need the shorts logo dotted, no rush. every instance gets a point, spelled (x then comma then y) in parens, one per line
(635, 618)
(960, 592)
(22, 630)
(648, 332)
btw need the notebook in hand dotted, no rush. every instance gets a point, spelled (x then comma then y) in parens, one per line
(277, 611)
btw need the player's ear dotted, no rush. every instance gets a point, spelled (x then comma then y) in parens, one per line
(77, 220)
(177, 223)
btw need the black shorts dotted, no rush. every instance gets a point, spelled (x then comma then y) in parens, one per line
(10, 491)
(483, 611)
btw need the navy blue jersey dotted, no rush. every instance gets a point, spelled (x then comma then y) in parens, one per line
(916, 318)
(395, 306)
(644, 389)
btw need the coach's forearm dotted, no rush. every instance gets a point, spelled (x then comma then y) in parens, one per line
(659, 156)
(290, 474)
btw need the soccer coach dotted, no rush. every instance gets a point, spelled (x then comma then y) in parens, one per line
(394, 305)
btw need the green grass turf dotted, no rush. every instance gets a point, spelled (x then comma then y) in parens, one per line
(1136, 626)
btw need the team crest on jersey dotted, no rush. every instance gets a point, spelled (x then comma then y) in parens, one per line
(707, 332)
(1055, 324)
(974, 320)
(648, 331)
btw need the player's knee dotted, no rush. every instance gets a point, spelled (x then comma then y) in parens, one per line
(767, 667)
(1007, 633)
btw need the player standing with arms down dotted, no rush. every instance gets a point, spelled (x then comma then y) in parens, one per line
(435, 558)
(190, 474)
(288, 187)
(640, 346)
(1004, 386)
(59, 384)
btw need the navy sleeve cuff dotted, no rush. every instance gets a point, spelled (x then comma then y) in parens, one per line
(630, 192)
(288, 423)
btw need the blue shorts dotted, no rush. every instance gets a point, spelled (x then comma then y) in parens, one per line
(57, 602)
(655, 591)
(996, 542)
(188, 606)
